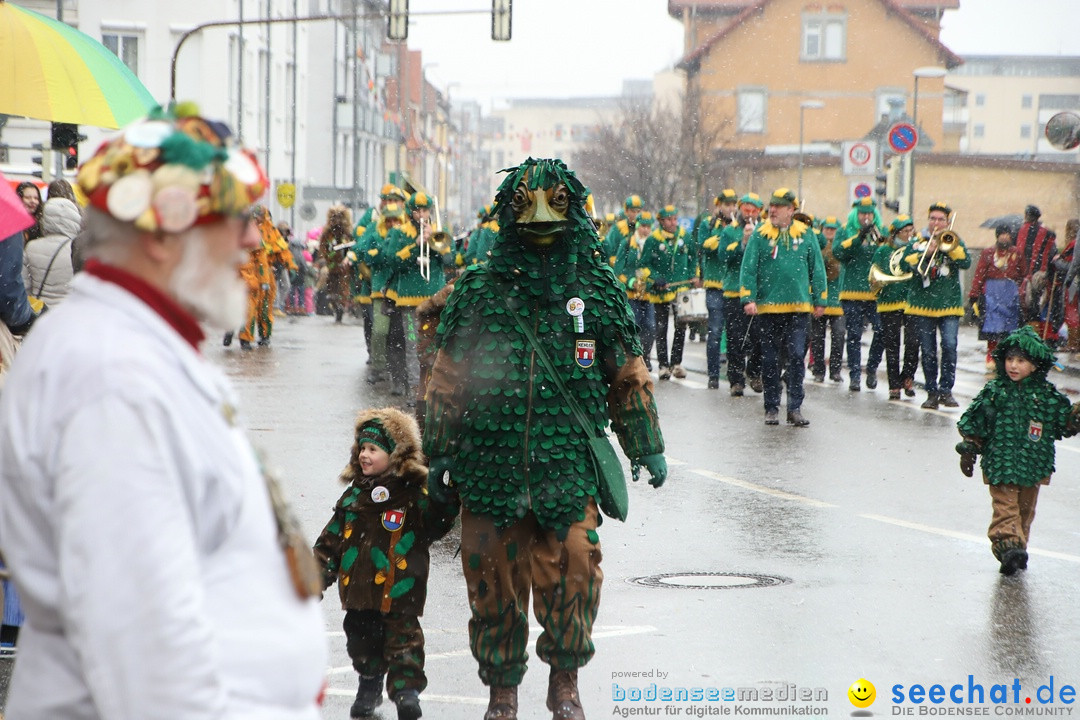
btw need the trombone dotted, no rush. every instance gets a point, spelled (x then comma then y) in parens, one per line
(944, 241)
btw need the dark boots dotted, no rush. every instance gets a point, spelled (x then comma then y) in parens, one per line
(503, 704)
(368, 697)
(408, 705)
(563, 699)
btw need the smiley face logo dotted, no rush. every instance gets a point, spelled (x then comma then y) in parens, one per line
(862, 693)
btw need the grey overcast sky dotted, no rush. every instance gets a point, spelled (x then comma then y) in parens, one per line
(575, 48)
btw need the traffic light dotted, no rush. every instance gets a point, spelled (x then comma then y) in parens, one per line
(500, 19)
(65, 140)
(397, 22)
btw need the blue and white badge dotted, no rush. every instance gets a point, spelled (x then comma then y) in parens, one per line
(380, 494)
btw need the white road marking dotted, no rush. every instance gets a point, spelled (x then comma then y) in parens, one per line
(964, 536)
(762, 489)
(427, 697)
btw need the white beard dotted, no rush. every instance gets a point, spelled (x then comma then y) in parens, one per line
(215, 294)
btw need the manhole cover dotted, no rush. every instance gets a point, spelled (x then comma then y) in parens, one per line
(709, 581)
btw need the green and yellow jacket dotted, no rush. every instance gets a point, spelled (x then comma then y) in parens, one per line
(712, 263)
(856, 252)
(370, 250)
(892, 296)
(674, 267)
(617, 238)
(407, 287)
(732, 249)
(938, 293)
(638, 264)
(480, 243)
(782, 270)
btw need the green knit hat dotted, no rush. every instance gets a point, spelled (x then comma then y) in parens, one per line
(373, 432)
(1026, 343)
(633, 202)
(901, 222)
(668, 211)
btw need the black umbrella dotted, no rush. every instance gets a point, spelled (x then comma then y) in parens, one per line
(1013, 221)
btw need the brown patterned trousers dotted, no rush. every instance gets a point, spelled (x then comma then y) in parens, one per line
(562, 571)
(1014, 511)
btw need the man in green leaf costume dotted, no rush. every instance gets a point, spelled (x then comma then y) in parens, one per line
(1013, 423)
(500, 430)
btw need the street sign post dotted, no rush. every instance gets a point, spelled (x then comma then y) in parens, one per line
(859, 157)
(857, 190)
(902, 137)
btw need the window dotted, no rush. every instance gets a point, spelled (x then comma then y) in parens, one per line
(887, 98)
(980, 100)
(980, 130)
(824, 37)
(125, 47)
(751, 111)
(1025, 131)
(1025, 102)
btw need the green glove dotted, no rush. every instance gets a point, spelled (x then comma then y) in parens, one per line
(655, 464)
(440, 487)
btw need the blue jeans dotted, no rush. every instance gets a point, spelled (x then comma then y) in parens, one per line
(645, 318)
(857, 314)
(783, 340)
(928, 329)
(714, 303)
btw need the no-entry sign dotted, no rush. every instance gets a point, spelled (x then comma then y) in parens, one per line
(903, 137)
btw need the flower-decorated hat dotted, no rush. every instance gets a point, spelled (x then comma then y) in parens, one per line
(172, 170)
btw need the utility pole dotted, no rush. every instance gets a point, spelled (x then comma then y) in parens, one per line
(355, 112)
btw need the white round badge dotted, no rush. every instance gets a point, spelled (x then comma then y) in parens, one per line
(380, 494)
(129, 197)
(575, 306)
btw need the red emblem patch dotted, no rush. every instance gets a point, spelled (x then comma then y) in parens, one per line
(1034, 431)
(393, 519)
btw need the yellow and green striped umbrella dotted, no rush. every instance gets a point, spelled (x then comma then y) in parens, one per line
(51, 71)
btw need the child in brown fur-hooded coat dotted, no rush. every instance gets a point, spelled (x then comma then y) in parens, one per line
(376, 548)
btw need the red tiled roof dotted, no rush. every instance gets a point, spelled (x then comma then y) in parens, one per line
(900, 7)
(675, 7)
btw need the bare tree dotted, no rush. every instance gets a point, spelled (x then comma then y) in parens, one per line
(652, 150)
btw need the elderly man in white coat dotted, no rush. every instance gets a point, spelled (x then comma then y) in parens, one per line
(161, 574)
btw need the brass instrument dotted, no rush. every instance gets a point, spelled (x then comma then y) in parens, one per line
(879, 278)
(946, 241)
(832, 265)
(1063, 130)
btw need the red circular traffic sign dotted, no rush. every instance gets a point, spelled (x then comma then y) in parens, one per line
(903, 137)
(862, 190)
(859, 154)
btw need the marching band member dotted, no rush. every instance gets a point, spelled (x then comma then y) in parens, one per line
(855, 249)
(744, 339)
(833, 319)
(891, 306)
(782, 282)
(937, 300)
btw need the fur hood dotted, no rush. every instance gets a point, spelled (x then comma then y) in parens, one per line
(406, 462)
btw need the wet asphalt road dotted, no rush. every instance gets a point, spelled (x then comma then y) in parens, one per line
(851, 549)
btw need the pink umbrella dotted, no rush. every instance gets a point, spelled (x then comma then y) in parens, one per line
(13, 215)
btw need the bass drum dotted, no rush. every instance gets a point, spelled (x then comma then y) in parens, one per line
(690, 306)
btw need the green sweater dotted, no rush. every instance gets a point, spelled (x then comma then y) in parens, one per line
(938, 294)
(407, 287)
(616, 239)
(674, 265)
(834, 286)
(369, 249)
(712, 263)
(732, 250)
(893, 296)
(782, 271)
(856, 253)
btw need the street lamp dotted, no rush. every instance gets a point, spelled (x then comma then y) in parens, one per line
(931, 71)
(804, 106)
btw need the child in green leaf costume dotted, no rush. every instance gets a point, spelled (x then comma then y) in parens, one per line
(376, 548)
(1013, 423)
